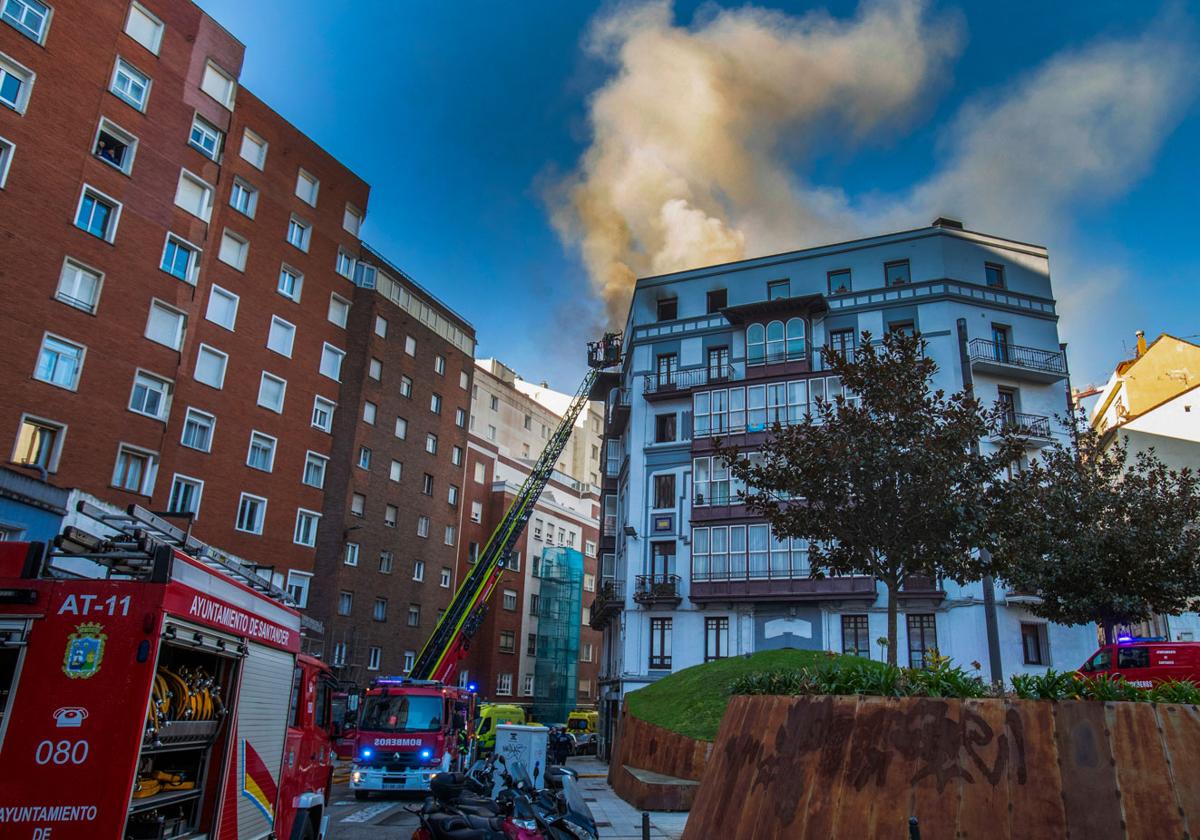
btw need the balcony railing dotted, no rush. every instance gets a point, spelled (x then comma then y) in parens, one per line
(657, 589)
(609, 601)
(754, 358)
(683, 380)
(1027, 425)
(1010, 356)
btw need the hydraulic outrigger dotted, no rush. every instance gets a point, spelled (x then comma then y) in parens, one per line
(463, 617)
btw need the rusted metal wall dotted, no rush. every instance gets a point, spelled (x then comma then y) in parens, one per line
(811, 768)
(648, 747)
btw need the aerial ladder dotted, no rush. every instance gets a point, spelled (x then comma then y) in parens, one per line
(463, 617)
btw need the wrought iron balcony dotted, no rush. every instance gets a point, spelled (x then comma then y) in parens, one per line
(677, 381)
(1027, 425)
(609, 601)
(1006, 359)
(655, 590)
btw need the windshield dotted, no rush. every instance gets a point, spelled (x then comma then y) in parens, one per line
(577, 724)
(1099, 662)
(401, 713)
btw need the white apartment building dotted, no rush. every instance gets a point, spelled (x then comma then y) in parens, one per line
(687, 574)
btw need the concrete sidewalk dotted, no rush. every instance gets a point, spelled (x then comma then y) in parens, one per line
(615, 817)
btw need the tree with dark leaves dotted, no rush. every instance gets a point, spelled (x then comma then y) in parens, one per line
(888, 483)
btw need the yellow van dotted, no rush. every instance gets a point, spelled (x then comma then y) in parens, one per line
(492, 715)
(582, 724)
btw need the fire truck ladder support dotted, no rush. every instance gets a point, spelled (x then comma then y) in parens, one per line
(466, 611)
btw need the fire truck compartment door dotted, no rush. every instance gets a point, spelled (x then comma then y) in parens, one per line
(262, 711)
(201, 638)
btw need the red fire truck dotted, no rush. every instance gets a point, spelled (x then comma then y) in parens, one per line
(1145, 662)
(153, 688)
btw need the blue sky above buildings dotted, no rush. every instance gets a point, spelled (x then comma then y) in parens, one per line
(465, 117)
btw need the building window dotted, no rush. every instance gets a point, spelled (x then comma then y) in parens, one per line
(444, 578)
(306, 527)
(331, 362)
(364, 458)
(345, 602)
(994, 276)
(422, 526)
(352, 219)
(151, 396)
(379, 613)
(375, 369)
(322, 414)
(291, 282)
(586, 652)
(491, 432)
(115, 146)
(508, 641)
(452, 496)
(716, 300)
(243, 198)
(130, 84)
(60, 362)
(667, 367)
(350, 557)
(668, 309)
(218, 84)
(381, 326)
(281, 336)
(922, 638)
(298, 233)
(476, 511)
(29, 17)
(664, 428)
(856, 640)
(210, 366)
(314, 470)
(39, 443)
(98, 214)
(779, 289)
(451, 535)
(339, 654)
(1034, 644)
(386, 561)
(395, 470)
(205, 138)
(410, 658)
(15, 84)
(297, 587)
(222, 309)
(271, 392)
(165, 325)
(534, 598)
(373, 658)
(307, 187)
(406, 387)
(418, 570)
(480, 472)
(435, 403)
(896, 273)
(410, 345)
(185, 495)
(344, 264)
(660, 643)
(358, 505)
(79, 286)
(261, 455)
(710, 481)
(427, 484)
(718, 364)
(716, 638)
(390, 514)
(456, 456)
(401, 430)
(6, 154)
(234, 250)
(775, 342)
(839, 281)
(439, 365)
(664, 491)
(414, 615)
(254, 149)
(180, 259)
(194, 196)
(841, 342)
(510, 600)
(135, 470)
(198, 430)
(504, 684)
(431, 444)
(339, 310)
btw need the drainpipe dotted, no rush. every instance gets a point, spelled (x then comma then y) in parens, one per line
(989, 586)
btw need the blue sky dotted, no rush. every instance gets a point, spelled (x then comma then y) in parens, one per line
(461, 116)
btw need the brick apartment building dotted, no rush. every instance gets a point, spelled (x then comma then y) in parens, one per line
(184, 327)
(511, 422)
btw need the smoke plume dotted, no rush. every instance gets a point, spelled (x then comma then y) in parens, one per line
(699, 138)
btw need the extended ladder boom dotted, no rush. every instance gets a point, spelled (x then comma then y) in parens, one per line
(466, 611)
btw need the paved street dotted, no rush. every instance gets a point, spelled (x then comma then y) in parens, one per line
(384, 816)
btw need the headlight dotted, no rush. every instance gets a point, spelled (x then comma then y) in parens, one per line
(578, 830)
(356, 777)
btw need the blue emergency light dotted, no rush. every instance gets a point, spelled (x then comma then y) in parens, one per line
(426, 755)
(367, 752)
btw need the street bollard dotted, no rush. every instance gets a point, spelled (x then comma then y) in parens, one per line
(645, 825)
(914, 829)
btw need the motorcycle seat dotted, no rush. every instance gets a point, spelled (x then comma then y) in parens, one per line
(463, 827)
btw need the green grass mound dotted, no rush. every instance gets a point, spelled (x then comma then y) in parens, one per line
(692, 701)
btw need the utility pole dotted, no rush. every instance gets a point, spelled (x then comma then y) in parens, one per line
(989, 586)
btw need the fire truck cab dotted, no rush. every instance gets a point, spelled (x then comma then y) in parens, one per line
(152, 688)
(1145, 661)
(409, 731)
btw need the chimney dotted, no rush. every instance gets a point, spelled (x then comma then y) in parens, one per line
(945, 222)
(1141, 343)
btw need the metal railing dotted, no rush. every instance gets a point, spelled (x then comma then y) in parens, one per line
(776, 357)
(650, 588)
(1048, 361)
(1027, 425)
(682, 380)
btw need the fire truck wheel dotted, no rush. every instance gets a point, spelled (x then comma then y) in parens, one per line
(360, 795)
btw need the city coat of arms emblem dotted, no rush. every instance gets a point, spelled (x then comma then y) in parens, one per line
(85, 650)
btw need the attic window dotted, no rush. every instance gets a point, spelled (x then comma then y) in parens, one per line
(668, 309)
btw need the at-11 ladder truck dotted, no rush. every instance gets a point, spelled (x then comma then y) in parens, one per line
(413, 727)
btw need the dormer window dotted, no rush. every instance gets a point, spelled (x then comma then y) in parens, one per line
(668, 309)
(775, 342)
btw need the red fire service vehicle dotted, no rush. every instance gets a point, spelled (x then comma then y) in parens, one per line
(1145, 661)
(153, 688)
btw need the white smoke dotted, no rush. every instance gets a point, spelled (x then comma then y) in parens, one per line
(700, 136)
